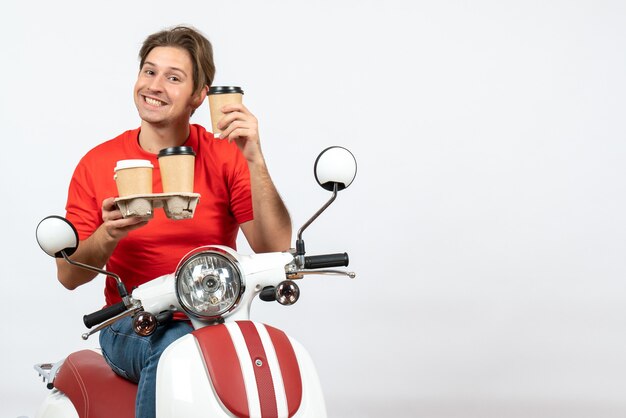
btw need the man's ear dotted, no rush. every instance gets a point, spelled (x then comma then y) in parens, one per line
(200, 96)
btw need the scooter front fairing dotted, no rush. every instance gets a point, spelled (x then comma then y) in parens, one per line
(238, 369)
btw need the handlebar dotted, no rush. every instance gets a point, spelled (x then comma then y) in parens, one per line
(326, 261)
(102, 315)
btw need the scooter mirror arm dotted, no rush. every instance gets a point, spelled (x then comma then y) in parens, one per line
(120, 285)
(300, 251)
(116, 318)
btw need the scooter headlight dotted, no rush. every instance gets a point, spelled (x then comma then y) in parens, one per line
(209, 283)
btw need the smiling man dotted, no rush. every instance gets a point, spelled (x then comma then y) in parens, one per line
(176, 71)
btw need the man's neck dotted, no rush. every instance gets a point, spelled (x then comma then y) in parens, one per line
(153, 138)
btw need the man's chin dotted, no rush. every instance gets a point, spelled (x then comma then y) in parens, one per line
(151, 119)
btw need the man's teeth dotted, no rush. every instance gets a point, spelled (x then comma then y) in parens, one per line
(154, 102)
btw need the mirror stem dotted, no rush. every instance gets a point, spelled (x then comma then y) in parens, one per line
(300, 242)
(120, 285)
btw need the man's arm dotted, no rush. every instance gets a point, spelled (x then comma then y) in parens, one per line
(270, 230)
(96, 250)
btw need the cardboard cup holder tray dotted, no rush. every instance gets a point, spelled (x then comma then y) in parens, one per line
(176, 205)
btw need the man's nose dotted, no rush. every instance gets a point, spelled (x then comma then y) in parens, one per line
(156, 83)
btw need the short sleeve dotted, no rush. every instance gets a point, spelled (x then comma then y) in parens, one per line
(82, 208)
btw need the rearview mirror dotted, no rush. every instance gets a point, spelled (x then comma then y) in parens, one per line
(335, 165)
(56, 234)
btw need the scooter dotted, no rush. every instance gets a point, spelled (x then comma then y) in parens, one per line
(229, 366)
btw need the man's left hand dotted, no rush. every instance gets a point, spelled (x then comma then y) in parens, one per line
(241, 126)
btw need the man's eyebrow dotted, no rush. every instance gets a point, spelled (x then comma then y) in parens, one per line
(170, 68)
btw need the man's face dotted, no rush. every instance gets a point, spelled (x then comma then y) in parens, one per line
(164, 87)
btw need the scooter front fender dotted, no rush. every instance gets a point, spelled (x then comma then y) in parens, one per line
(241, 368)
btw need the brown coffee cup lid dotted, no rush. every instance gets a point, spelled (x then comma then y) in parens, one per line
(225, 90)
(166, 152)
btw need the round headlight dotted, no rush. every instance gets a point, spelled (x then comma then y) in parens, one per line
(208, 283)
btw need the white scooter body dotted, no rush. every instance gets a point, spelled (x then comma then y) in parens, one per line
(183, 361)
(185, 387)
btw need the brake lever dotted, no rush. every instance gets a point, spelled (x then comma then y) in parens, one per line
(299, 274)
(108, 322)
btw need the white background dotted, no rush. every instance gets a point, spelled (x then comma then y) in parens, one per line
(486, 221)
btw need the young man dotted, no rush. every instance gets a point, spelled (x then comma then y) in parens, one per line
(176, 70)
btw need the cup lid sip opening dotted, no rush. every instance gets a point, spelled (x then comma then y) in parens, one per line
(225, 90)
(123, 164)
(165, 152)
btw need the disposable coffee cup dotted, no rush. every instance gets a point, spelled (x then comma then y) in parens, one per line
(220, 96)
(177, 166)
(133, 177)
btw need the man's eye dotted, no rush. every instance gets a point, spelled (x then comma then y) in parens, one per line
(174, 78)
(149, 72)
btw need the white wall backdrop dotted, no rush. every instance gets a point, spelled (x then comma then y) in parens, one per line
(486, 221)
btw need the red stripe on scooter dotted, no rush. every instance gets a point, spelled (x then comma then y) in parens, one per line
(262, 373)
(289, 368)
(222, 362)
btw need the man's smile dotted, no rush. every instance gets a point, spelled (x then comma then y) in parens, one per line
(153, 102)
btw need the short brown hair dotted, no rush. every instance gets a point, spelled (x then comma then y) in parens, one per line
(192, 41)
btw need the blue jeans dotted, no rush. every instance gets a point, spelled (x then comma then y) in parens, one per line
(136, 358)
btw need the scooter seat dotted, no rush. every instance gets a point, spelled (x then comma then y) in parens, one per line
(94, 389)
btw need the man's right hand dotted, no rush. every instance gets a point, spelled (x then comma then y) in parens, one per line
(115, 225)
(97, 249)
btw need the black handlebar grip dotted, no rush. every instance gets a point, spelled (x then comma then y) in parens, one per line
(326, 260)
(102, 315)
